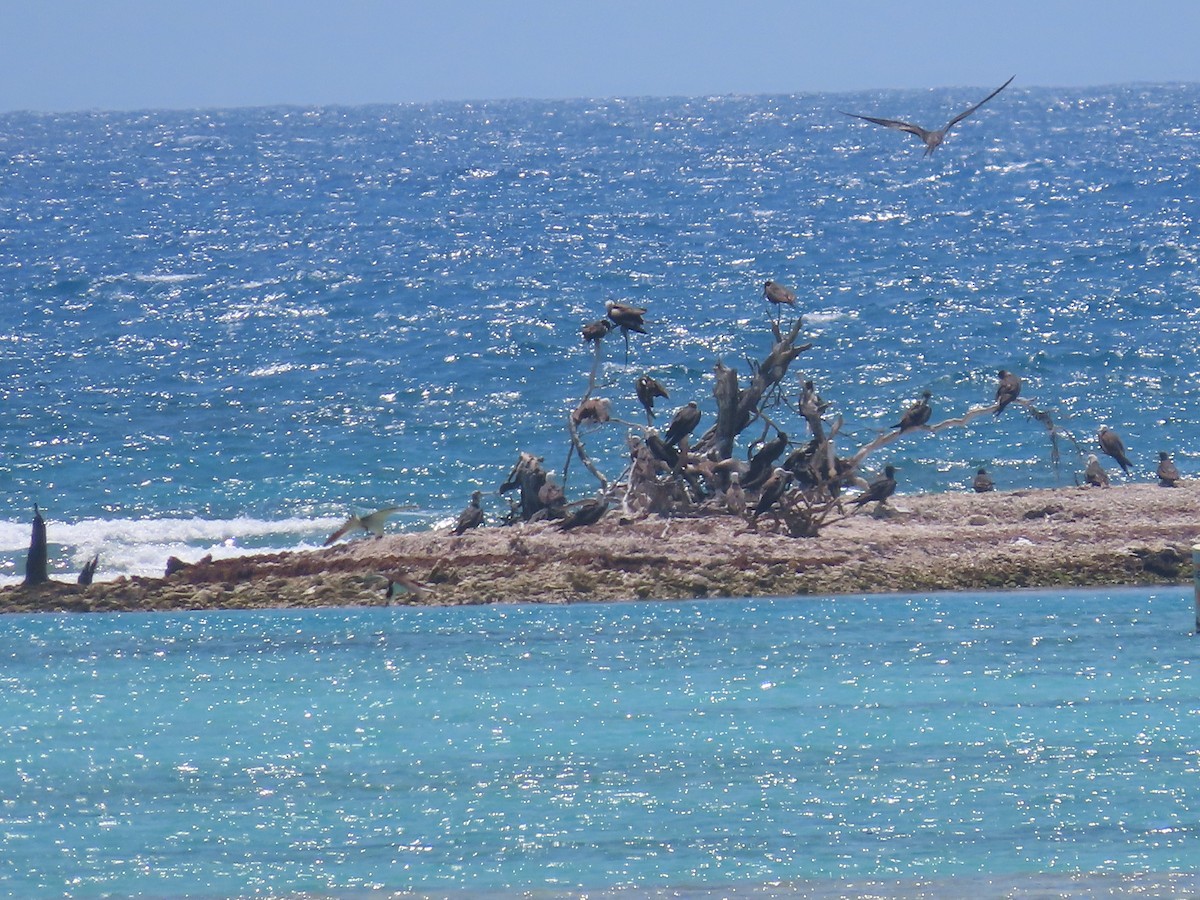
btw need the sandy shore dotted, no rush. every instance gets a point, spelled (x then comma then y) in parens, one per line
(1129, 534)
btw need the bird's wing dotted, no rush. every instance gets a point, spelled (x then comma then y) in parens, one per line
(351, 524)
(375, 521)
(893, 123)
(962, 115)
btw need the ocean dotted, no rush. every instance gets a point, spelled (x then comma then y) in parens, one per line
(1027, 744)
(224, 330)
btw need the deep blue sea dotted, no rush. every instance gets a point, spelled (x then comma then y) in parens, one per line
(1031, 744)
(223, 330)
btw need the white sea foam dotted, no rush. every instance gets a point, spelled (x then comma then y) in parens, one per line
(142, 546)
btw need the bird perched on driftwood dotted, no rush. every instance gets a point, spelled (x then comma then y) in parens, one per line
(1007, 390)
(471, 517)
(683, 423)
(594, 332)
(1111, 444)
(372, 523)
(1094, 474)
(778, 294)
(811, 405)
(627, 318)
(550, 495)
(772, 491)
(762, 462)
(878, 490)
(647, 389)
(594, 409)
(983, 482)
(931, 139)
(917, 414)
(589, 512)
(1167, 473)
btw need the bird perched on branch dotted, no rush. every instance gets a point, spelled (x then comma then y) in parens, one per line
(1094, 474)
(1007, 390)
(594, 332)
(471, 517)
(627, 318)
(683, 423)
(372, 523)
(1167, 473)
(983, 482)
(931, 139)
(779, 294)
(917, 414)
(647, 389)
(878, 490)
(1111, 444)
(772, 491)
(594, 409)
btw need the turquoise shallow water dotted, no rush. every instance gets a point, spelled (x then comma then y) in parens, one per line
(949, 743)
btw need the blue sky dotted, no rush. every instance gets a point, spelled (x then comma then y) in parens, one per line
(58, 55)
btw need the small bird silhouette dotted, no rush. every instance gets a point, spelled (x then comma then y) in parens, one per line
(931, 139)
(647, 389)
(589, 512)
(1111, 444)
(1094, 474)
(593, 409)
(779, 294)
(471, 517)
(1007, 390)
(917, 414)
(983, 482)
(400, 585)
(683, 423)
(594, 332)
(1167, 473)
(880, 489)
(372, 523)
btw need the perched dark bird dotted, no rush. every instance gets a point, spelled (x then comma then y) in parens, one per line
(983, 482)
(931, 139)
(471, 517)
(1167, 473)
(551, 496)
(1094, 474)
(779, 294)
(879, 489)
(589, 512)
(647, 390)
(1007, 390)
(626, 317)
(661, 450)
(683, 423)
(917, 414)
(774, 489)
(762, 461)
(400, 585)
(594, 332)
(594, 409)
(88, 572)
(373, 523)
(1111, 444)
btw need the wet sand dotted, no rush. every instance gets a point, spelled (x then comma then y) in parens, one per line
(1123, 535)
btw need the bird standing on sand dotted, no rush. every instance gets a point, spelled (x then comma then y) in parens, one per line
(983, 482)
(931, 139)
(1111, 444)
(735, 496)
(471, 517)
(1094, 474)
(1007, 390)
(879, 490)
(1167, 473)
(917, 414)
(647, 389)
(589, 512)
(373, 523)
(683, 423)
